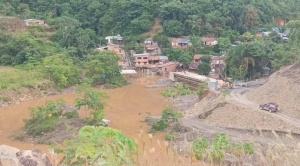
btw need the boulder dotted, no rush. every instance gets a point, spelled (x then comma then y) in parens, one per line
(10, 156)
(33, 158)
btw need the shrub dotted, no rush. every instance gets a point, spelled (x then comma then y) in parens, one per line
(168, 116)
(39, 127)
(98, 146)
(216, 149)
(170, 137)
(179, 89)
(70, 115)
(43, 118)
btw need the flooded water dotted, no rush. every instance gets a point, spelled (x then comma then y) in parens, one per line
(126, 108)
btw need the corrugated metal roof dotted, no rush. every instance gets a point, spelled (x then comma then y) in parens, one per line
(163, 58)
(184, 41)
(145, 54)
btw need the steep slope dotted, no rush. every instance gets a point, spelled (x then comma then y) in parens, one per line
(283, 87)
(11, 24)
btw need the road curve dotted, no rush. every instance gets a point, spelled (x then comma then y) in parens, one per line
(238, 97)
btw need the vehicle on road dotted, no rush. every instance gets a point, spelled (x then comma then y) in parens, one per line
(271, 107)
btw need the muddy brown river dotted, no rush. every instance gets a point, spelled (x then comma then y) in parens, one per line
(126, 108)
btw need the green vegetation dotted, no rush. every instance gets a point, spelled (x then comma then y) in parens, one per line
(103, 68)
(43, 118)
(201, 90)
(179, 89)
(204, 67)
(60, 69)
(170, 137)
(168, 116)
(12, 78)
(98, 146)
(92, 100)
(215, 150)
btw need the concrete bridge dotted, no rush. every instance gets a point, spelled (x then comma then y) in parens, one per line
(192, 79)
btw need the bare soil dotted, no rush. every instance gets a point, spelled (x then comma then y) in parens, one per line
(283, 87)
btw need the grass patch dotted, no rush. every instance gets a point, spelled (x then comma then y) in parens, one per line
(170, 137)
(178, 89)
(43, 118)
(169, 116)
(215, 150)
(12, 78)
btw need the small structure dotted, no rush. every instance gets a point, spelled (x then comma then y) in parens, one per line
(34, 22)
(197, 57)
(179, 42)
(114, 39)
(209, 40)
(151, 47)
(193, 66)
(164, 69)
(141, 59)
(213, 84)
(217, 64)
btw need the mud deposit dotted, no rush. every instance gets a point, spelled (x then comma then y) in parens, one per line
(126, 108)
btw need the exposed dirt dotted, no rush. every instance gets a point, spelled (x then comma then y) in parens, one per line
(11, 24)
(126, 108)
(283, 87)
(155, 28)
(8, 97)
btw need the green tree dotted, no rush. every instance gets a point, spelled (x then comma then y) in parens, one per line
(103, 68)
(60, 69)
(224, 43)
(173, 28)
(204, 68)
(162, 40)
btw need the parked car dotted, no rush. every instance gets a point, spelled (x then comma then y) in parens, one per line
(271, 107)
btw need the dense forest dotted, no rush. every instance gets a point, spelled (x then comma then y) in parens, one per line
(79, 26)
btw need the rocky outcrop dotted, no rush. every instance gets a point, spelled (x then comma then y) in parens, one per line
(10, 156)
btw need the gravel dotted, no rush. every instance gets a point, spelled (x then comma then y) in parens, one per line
(283, 87)
(238, 117)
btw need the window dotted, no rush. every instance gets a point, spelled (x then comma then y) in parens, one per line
(145, 58)
(139, 57)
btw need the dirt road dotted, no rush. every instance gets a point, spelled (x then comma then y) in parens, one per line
(263, 137)
(237, 96)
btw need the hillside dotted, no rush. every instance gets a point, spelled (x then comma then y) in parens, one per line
(11, 24)
(283, 87)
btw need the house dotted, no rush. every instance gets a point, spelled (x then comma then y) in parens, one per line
(209, 40)
(158, 59)
(141, 59)
(114, 39)
(217, 64)
(165, 69)
(197, 57)
(151, 47)
(34, 22)
(179, 42)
